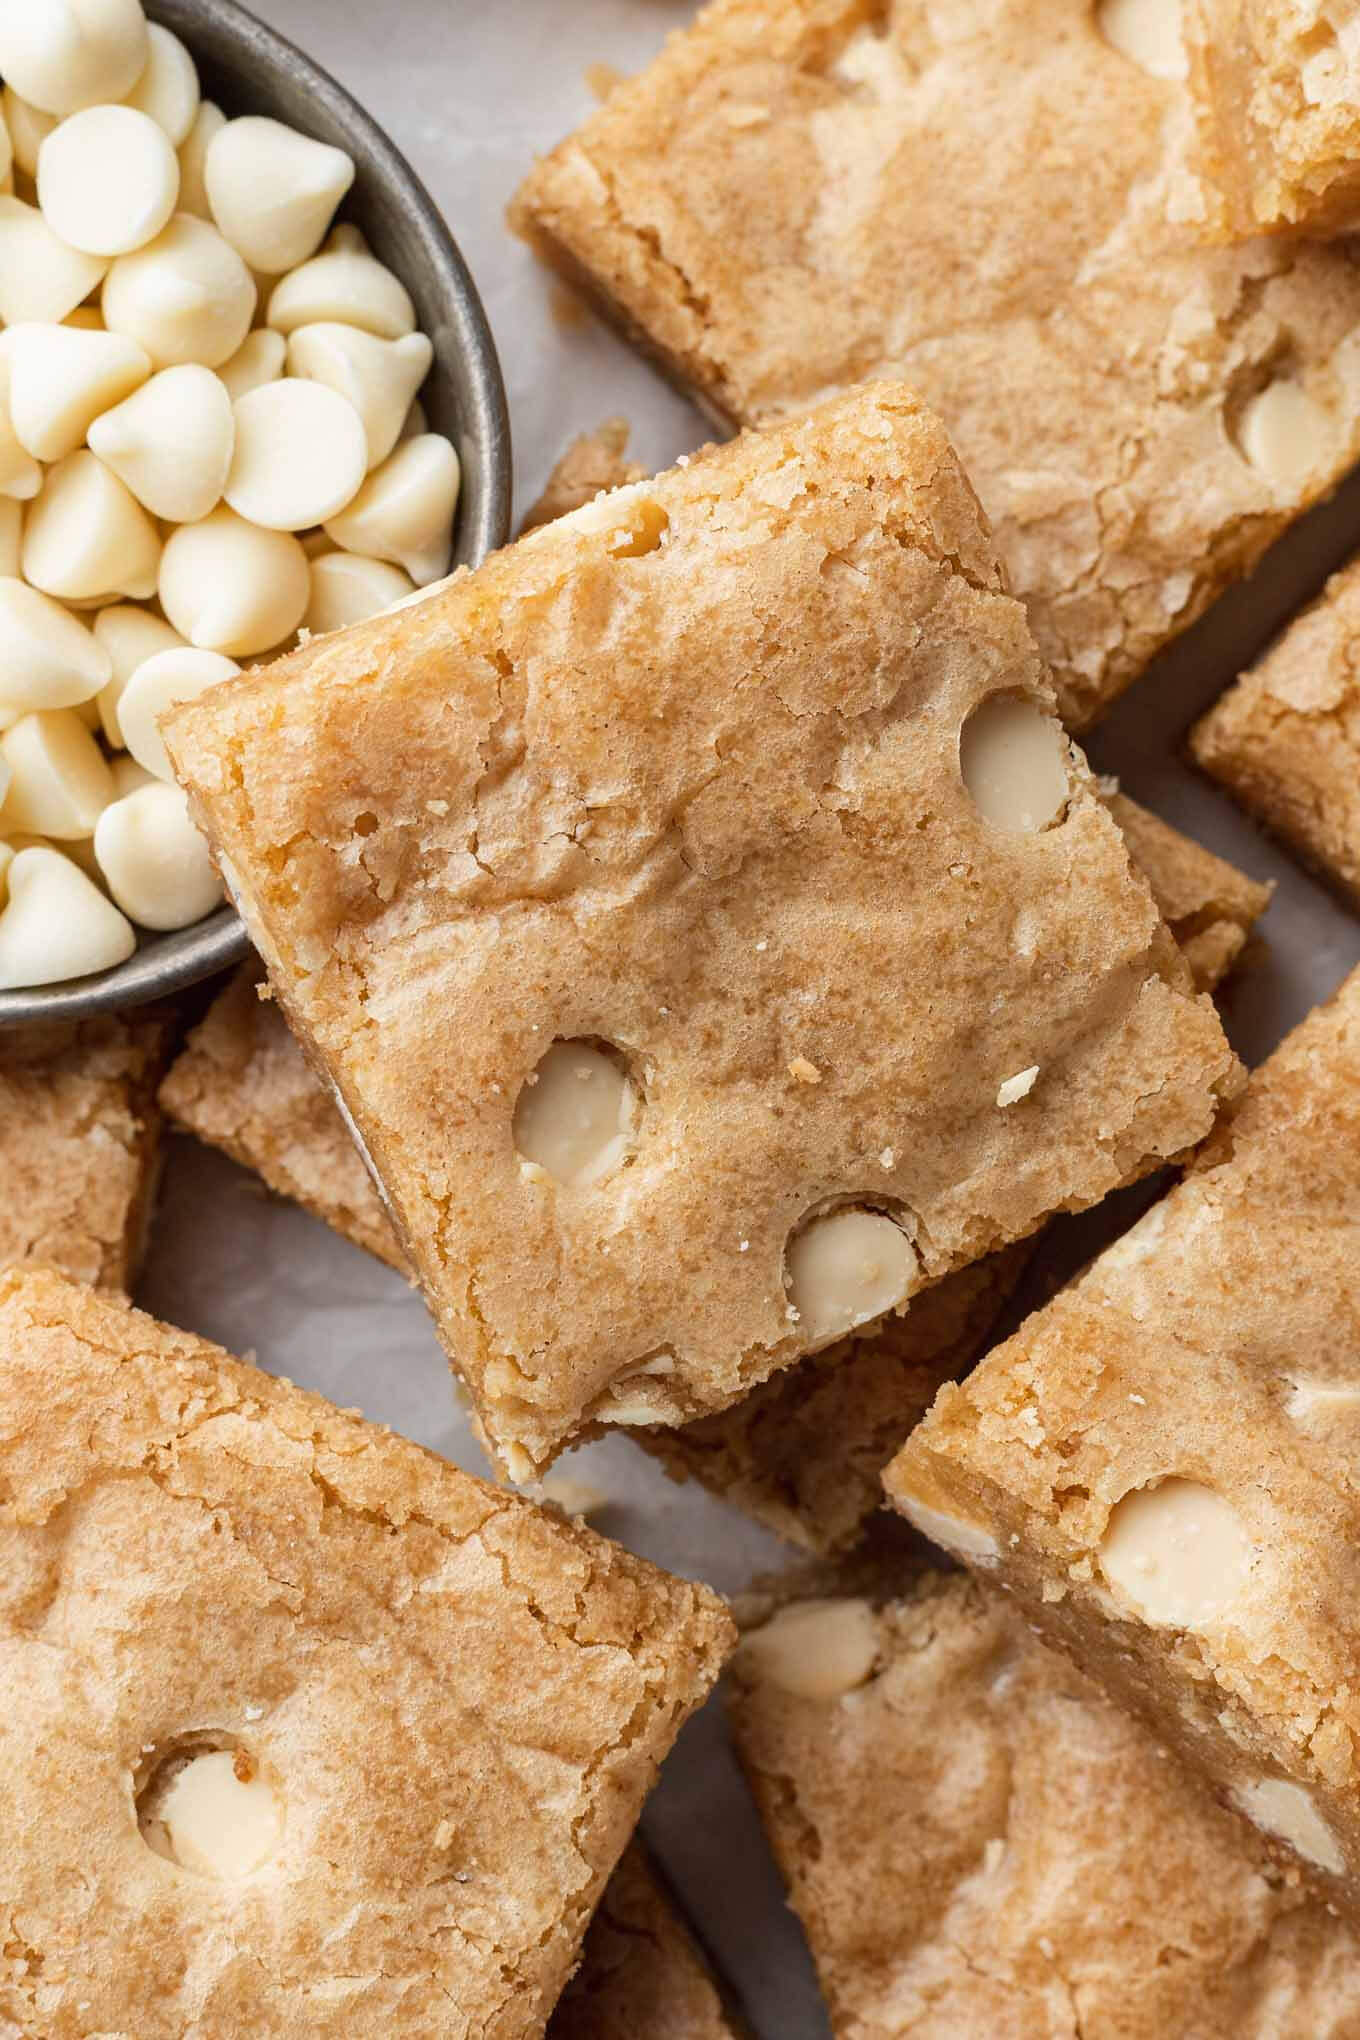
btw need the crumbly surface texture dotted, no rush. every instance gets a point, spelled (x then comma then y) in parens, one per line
(992, 202)
(978, 1843)
(1285, 740)
(79, 1142)
(1276, 87)
(242, 1084)
(461, 1700)
(591, 464)
(1217, 1344)
(1208, 904)
(680, 773)
(642, 1976)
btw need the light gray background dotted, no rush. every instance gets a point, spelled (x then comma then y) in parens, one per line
(470, 89)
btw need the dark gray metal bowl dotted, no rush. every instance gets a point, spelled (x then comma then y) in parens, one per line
(247, 68)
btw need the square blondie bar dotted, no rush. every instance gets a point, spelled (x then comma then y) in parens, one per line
(1276, 88)
(979, 1844)
(990, 201)
(1285, 740)
(304, 1729)
(79, 1142)
(642, 1974)
(1160, 1464)
(705, 923)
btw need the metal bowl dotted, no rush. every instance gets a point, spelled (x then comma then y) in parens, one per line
(247, 68)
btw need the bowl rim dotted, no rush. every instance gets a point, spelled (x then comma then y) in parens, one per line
(223, 31)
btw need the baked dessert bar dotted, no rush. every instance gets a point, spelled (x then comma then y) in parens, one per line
(1208, 904)
(1160, 1465)
(978, 1843)
(1276, 88)
(642, 1975)
(591, 464)
(79, 1142)
(1285, 740)
(705, 923)
(990, 201)
(305, 1730)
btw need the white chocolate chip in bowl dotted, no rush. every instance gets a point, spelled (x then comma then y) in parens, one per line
(154, 861)
(815, 1650)
(215, 1812)
(186, 296)
(40, 276)
(108, 180)
(1285, 434)
(1178, 1552)
(20, 474)
(404, 511)
(1287, 1811)
(59, 780)
(157, 684)
(128, 635)
(273, 191)
(48, 659)
(846, 1267)
(63, 55)
(86, 537)
(576, 1116)
(379, 377)
(300, 455)
(259, 359)
(208, 123)
(61, 377)
(1147, 32)
(28, 127)
(345, 283)
(227, 586)
(167, 90)
(347, 587)
(171, 442)
(1013, 762)
(56, 923)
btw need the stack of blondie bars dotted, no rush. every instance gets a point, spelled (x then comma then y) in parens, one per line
(696, 951)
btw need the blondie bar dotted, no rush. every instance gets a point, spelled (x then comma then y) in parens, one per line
(1160, 1465)
(79, 1142)
(1285, 740)
(705, 923)
(978, 1843)
(1276, 88)
(642, 1975)
(305, 1730)
(985, 199)
(592, 463)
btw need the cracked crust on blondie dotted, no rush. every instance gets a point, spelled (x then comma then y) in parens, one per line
(1160, 1464)
(680, 774)
(642, 1974)
(79, 1142)
(990, 201)
(460, 1699)
(1285, 740)
(977, 1842)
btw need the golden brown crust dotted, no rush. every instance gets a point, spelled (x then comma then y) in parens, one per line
(977, 1843)
(1218, 1342)
(1208, 904)
(590, 465)
(1285, 740)
(79, 1142)
(464, 1698)
(681, 773)
(642, 1974)
(1276, 91)
(989, 201)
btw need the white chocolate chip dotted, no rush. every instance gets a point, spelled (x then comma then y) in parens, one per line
(167, 90)
(171, 442)
(1177, 1551)
(212, 1820)
(273, 191)
(20, 474)
(1285, 1810)
(63, 55)
(344, 283)
(47, 657)
(108, 180)
(87, 537)
(300, 455)
(40, 276)
(59, 780)
(259, 359)
(61, 377)
(128, 635)
(347, 587)
(1017, 1087)
(227, 586)
(1286, 434)
(379, 377)
(815, 1650)
(28, 128)
(967, 1540)
(1148, 32)
(404, 511)
(1013, 759)
(186, 296)
(574, 1118)
(128, 775)
(155, 862)
(193, 193)
(847, 1267)
(159, 682)
(57, 924)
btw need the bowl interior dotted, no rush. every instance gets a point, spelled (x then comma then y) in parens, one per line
(247, 68)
